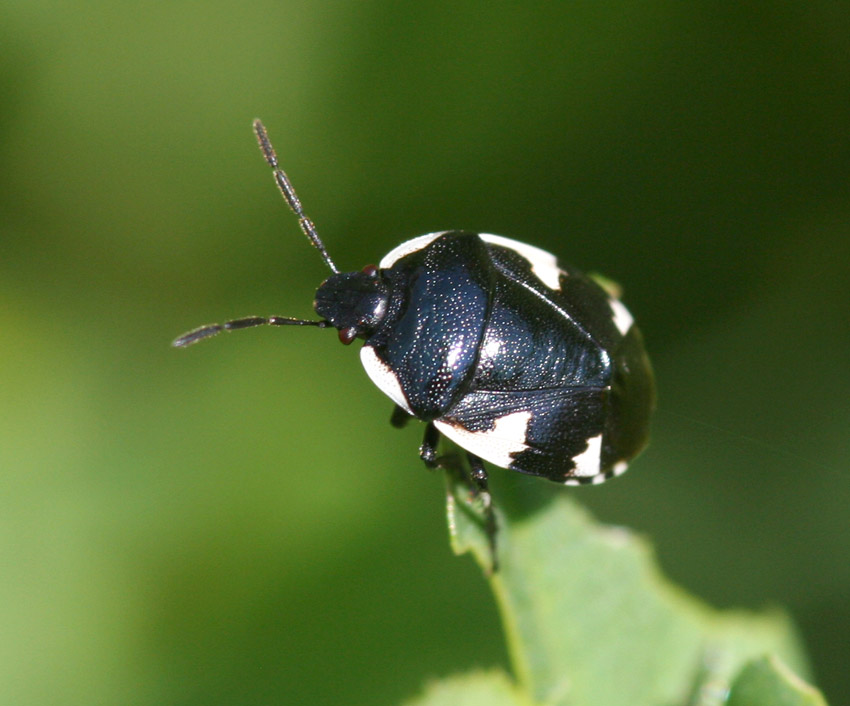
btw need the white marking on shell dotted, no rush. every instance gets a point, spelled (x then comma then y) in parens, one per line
(543, 264)
(622, 318)
(587, 462)
(407, 247)
(617, 469)
(497, 445)
(384, 378)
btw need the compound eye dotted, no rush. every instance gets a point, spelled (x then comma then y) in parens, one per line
(347, 335)
(371, 270)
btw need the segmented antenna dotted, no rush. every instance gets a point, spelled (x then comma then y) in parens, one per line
(289, 194)
(199, 334)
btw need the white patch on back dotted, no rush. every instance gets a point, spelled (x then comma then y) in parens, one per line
(385, 379)
(407, 247)
(620, 468)
(617, 469)
(587, 462)
(497, 445)
(622, 318)
(543, 264)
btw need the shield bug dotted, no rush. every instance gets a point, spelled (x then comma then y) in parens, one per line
(519, 360)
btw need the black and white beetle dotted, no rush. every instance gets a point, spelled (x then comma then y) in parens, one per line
(522, 362)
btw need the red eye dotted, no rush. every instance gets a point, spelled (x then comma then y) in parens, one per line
(347, 335)
(371, 270)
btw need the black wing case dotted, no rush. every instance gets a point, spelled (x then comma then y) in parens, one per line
(555, 429)
(582, 385)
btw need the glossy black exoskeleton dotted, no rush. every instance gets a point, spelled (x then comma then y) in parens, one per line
(522, 362)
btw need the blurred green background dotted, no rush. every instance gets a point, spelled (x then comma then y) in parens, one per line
(237, 523)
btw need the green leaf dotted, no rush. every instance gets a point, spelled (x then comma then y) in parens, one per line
(590, 620)
(477, 689)
(768, 682)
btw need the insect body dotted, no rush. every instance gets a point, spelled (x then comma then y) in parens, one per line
(522, 362)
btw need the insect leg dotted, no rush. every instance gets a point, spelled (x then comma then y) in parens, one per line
(400, 417)
(477, 480)
(428, 450)
(471, 474)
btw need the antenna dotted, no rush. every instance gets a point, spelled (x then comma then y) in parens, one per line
(289, 194)
(285, 186)
(199, 334)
